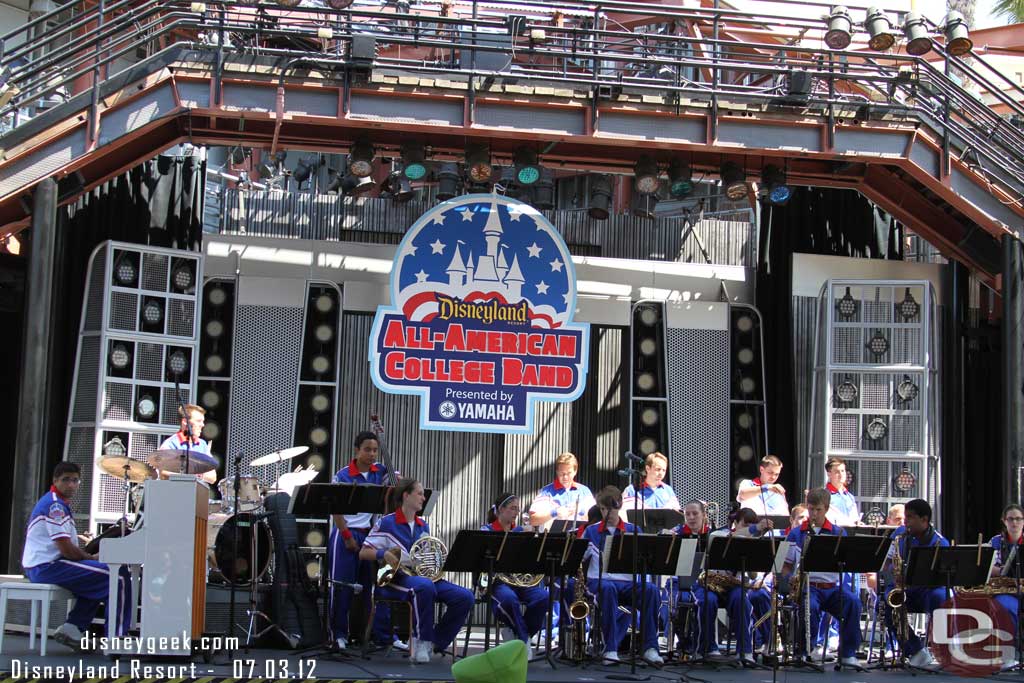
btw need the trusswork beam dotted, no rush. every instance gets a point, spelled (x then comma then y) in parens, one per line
(32, 449)
(1013, 372)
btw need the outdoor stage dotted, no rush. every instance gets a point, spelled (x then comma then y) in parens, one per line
(17, 658)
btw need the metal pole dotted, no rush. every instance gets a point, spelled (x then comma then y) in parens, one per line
(32, 449)
(955, 523)
(1013, 349)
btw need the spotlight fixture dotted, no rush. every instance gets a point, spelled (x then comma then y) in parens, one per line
(847, 306)
(320, 364)
(324, 333)
(319, 402)
(126, 272)
(744, 323)
(414, 166)
(177, 362)
(324, 303)
(645, 381)
(649, 417)
(876, 429)
(214, 329)
(120, 356)
(645, 175)
(211, 430)
(905, 481)
(745, 420)
(734, 182)
(648, 347)
(908, 308)
(680, 178)
(508, 182)
(398, 187)
(878, 345)
(353, 186)
(266, 170)
(315, 537)
(217, 296)
(846, 392)
(315, 461)
(745, 356)
(360, 159)
(145, 407)
(210, 399)
(745, 452)
(214, 363)
(957, 41)
(918, 41)
(527, 165)
(874, 517)
(648, 446)
(544, 190)
(183, 277)
(600, 199)
(774, 180)
(748, 385)
(906, 390)
(318, 436)
(478, 163)
(114, 448)
(449, 181)
(649, 315)
(880, 35)
(288, 3)
(304, 170)
(152, 312)
(838, 36)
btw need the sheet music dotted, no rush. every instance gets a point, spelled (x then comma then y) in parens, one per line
(687, 555)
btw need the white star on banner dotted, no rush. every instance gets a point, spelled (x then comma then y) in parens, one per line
(556, 266)
(534, 250)
(542, 288)
(421, 276)
(467, 214)
(437, 247)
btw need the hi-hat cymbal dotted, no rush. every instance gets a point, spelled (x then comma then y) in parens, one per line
(138, 471)
(278, 456)
(169, 460)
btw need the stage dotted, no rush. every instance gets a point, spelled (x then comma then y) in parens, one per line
(18, 662)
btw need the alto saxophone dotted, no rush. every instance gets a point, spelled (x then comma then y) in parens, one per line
(897, 597)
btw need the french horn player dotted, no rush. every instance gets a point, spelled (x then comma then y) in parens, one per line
(396, 540)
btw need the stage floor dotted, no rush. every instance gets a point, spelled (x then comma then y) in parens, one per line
(18, 662)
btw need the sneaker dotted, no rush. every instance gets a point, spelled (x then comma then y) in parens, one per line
(767, 650)
(1007, 666)
(748, 657)
(652, 656)
(422, 652)
(851, 662)
(400, 645)
(507, 636)
(611, 658)
(342, 643)
(922, 659)
(68, 635)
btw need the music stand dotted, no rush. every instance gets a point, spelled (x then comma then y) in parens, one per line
(844, 554)
(562, 526)
(878, 531)
(948, 566)
(779, 522)
(654, 520)
(551, 555)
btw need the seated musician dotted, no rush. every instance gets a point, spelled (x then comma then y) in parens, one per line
(194, 418)
(797, 516)
(615, 589)
(52, 555)
(390, 540)
(1012, 536)
(824, 587)
(705, 642)
(764, 495)
(564, 498)
(655, 494)
(843, 509)
(917, 532)
(896, 515)
(506, 598)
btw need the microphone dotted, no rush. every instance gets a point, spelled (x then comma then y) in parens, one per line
(627, 472)
(632, 457)
(357, 588)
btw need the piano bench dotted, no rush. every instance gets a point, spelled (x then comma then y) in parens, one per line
(39, 596)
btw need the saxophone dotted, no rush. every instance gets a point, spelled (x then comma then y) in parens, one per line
(997, 585)
(897, 597)
(575, 646)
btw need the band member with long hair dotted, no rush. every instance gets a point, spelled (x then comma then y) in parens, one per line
(564, 498)
(1011, 537)
(615, 589)
(506, 599)
(390, 541)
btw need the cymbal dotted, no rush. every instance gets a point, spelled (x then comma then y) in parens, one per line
(138, 471)
(278, 456)
(169, 459)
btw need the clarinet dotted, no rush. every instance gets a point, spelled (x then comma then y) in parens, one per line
(808, 639)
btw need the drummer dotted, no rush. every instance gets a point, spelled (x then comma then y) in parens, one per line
(196, 420)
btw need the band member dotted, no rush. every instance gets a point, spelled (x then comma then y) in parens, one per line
(564, 498)
(824, 588)
(843, 509)
(654, 492)
(765, 495)
(917, 532)
(390, 540)
(347, 538)
(896, 516)
(705, 602)
(1004, 543)
(194, 418)
(615, 589)
(52, 555)
(507, 599)
(745, 610)
(797, 516)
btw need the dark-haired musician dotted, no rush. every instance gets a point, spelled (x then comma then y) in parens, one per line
(706, 602)
(507, 599)
(390, 541)
(1004, 544)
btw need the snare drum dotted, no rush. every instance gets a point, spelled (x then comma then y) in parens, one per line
(249, 495)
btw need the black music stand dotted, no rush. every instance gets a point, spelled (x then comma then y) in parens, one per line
(554, 556)
(779, 522)
(654, 520)
(844, 554)
(875, 531)
(948, 566)
(743, 554)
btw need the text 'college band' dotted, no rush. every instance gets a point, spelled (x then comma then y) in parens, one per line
(592, 619)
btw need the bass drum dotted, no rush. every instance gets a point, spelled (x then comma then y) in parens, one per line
(220, 542)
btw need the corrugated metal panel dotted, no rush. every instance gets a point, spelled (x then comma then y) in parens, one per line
(804, 325)
(729, 238)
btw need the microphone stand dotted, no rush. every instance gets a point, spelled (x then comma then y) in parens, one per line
(632, 472)
(234, 554)
(186, 454)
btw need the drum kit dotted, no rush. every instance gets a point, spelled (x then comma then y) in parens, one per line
(236, 512)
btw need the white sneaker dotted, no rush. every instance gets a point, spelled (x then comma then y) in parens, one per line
(1009, 665)
(423, 651)
(767, 650)
(68, 635)
(923, 659)
(342, 643)
(816, 653)
(652, 656)
(507, 636)
(748, 657)
(400, 645)
(611, 658)
(850, 661)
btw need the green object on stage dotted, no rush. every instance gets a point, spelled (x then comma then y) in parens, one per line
(503, 664)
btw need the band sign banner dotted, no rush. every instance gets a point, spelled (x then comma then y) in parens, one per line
(483, 292)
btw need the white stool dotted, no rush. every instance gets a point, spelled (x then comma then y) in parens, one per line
(39, 595)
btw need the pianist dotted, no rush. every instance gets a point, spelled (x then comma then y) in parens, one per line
(195, 421)
(52, 555)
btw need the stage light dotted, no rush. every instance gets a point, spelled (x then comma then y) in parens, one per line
(906, 390)
(146, 407)
(210, 399)
(214, 363)
(324, 303)
(544, 190)
(645, 175)
(478, 163)
(648, 346)
(126, 272)
(152, 312)
(847, 306)
(957, 41)
(314, 538)
(905, 481)
(211, 429)
(846, 392)
(217, 296)
(315, 461)
(874, 517)
(748, 385)
(908, 308)
(413, 160)
(734, 181)
(918, 41)
(324, 333)
(120, 356)
(838, 36)
(876, 430)
(648, 446)
(527, 165)
(680, 178)
(649, 417)
(880, 35)
(878, 345)
(644, 205)
(600, 200)
(320, 364)
(318, 436)
(645, 381)
(398, 187)
(289, 3)
(114, 448)
(360, 159)
(649, 315)
(320, 402)
(508, 182)
(745, 420)
(183, 277)
(745, 452)
(353, 186)
(745, 356)
(448, 181)
(177, 363)
(774, 180)
(214, 329)
(304, 170)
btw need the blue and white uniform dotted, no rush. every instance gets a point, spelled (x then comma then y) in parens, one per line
(506, 600)
(576, 497)
(826, 592)
(177, 442)
(345, 564)
(1003, 545)
(660, 497)
(917, 599)
(615, 589)
(767, 502)
(705, 602)
(842, 509)
(395, 531)
(89, 580)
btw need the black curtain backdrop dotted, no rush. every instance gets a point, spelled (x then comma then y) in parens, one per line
(982, 480)
(816, 220)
